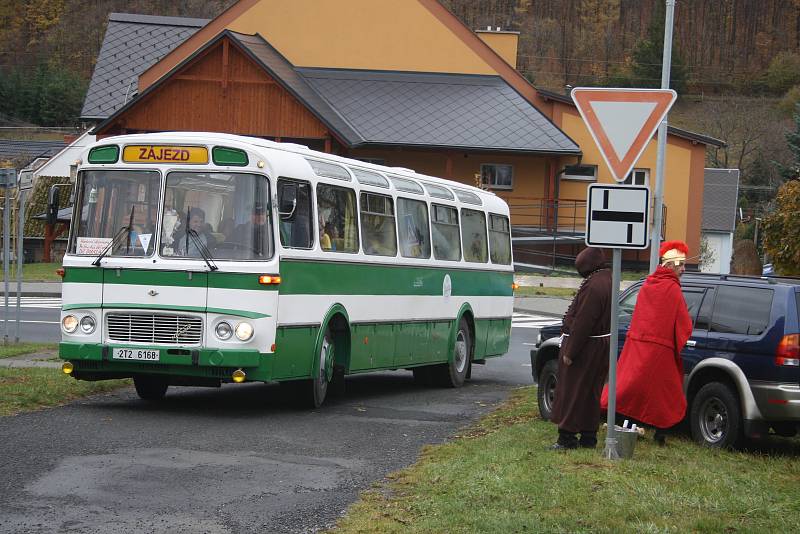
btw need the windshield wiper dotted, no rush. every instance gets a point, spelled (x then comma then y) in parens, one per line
(202, 249)
(110, 246)
(198, 243)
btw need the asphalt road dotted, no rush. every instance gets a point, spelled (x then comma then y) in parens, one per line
(235, 459)
(39, 317)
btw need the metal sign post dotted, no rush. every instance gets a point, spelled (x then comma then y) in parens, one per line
(610, 451)
(617, 216)
(8, 179)
(658, 199)
(20, 256)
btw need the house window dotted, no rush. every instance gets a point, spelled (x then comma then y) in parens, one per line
(638, 177)
(497, 176)
(581, 172)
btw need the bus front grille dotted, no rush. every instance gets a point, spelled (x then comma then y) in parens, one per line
(160, 328)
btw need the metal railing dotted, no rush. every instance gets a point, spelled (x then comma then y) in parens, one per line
(539, 226)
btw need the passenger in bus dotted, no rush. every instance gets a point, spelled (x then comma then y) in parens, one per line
(254, 233)
(324, 238)
(193, 245)
(226, 228)
(333, 232)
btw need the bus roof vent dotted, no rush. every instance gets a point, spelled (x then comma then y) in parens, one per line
(404, 184)
(468, 198)
(329, 170)
(370, 178)
(439, 191)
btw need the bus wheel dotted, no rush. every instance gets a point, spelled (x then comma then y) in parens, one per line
(453, 373)
(314, 391)
(150, 387)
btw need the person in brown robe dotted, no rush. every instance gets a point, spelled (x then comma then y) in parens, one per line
(583, 357)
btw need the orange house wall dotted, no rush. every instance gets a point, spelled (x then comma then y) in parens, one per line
(529, 171)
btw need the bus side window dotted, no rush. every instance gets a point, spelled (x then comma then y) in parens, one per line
(473, 234)
(295, 224)
(499, 239)
(412, 226)
(378, 225)
(445, 234)
(337, 218)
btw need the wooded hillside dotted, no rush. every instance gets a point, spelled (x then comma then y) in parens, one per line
(724, 44)
(721, 46)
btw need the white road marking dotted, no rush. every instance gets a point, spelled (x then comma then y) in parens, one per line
(32, 302)
(12, 321)
(525, 320)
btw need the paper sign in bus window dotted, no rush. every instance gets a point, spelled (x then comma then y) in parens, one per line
(92, 245)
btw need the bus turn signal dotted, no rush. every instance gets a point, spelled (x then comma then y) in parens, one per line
(269, 279)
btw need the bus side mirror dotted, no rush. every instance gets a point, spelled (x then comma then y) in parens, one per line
(52, 204)
(287, 200)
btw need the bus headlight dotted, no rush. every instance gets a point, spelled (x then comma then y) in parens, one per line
(69, 323)
(244, 331)
(87, 324)
(223, 330)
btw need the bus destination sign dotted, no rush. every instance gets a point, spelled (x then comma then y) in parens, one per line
(165, 154)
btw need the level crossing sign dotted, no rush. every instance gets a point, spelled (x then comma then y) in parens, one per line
(622, 121)
(617, 216)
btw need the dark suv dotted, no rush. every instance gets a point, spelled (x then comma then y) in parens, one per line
(742, 362)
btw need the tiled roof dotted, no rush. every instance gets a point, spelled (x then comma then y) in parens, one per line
(132, 44)
(279, 68)
(443, 110)
(397, 108)
(720, 193)
(10, 149)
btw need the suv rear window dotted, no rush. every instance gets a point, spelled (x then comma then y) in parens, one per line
(741, 310)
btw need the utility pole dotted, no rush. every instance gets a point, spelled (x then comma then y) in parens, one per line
(658, 195)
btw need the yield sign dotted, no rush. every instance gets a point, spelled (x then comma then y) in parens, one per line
(622, 121)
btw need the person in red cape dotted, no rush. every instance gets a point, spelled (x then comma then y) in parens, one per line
(650, 369)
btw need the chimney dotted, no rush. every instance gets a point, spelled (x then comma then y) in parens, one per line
(504, 43)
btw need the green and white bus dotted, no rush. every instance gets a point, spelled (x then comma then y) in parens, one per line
(202, 258)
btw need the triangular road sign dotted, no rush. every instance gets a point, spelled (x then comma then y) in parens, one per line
(622, 121)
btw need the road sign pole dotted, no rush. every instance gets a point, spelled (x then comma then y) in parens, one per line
(6, 252)
(611, 451)
(20, 253)
(658, 197)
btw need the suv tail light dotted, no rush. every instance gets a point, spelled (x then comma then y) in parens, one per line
(788, 353)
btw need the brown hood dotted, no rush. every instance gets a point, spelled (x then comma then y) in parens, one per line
(589, 260)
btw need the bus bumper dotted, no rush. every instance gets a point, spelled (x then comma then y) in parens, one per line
(94, 361)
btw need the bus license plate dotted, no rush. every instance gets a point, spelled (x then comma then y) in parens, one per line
(135, 354)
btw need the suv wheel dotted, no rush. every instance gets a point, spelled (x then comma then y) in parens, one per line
(715, 416)
(546, 389)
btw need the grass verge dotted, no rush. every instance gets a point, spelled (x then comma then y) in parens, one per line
(498, 477)
(532, 291)
(34, 272)
(9, 351)
(25, 389)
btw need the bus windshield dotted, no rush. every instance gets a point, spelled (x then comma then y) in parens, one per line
(227, 216)
(116, 203)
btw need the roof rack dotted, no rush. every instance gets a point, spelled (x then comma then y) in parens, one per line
(749, 277)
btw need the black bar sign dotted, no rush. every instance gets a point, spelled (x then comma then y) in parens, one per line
(630, 233)
(618, 216)
(605, 199)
